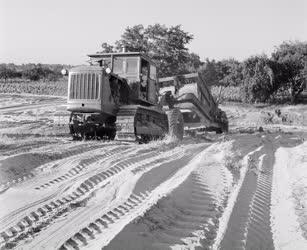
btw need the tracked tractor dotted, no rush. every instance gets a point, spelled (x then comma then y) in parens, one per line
(117, 97)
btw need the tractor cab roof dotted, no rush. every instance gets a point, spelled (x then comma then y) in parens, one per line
(99, 55)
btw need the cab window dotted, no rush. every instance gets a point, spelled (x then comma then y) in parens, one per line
(132, 65)
(125, 65)
(153, 72)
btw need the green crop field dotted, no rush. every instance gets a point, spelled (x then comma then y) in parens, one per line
(57, 88)
(230, 93)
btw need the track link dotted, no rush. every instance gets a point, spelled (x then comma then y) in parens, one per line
(139, 123)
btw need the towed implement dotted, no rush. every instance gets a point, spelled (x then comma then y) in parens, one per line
(117, 97)
(191, 95)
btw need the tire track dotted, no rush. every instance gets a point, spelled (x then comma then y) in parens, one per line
(123, 210)
(145, 165)
(82, 166)
(259, 233)
(249, 224)
(132, 152)
(93, 229)
(5, 219)
(35, 220)
(177, 222)
(186, 217)
(57, 161)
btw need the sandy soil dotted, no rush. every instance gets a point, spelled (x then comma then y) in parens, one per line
(282, 118)
(289, 201)
(244, 190)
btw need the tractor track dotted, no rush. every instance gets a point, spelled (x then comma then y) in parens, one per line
(185, 221)
(60, 189)
(88, 187)
(82, 166)
(68, 157)
(96, 227)
(189, 215)
(259, 233)
(125, 210)
(97, 198)
(31, 221)
(249, 224)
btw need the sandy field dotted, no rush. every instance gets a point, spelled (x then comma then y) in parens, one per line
(243, 190)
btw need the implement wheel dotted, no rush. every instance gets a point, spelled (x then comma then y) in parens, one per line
(224, 122)
(175, 124)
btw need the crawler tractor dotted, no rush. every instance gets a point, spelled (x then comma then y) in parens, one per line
(117, 97)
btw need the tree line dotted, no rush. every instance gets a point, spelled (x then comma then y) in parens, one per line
(260, 78)
(31, 71)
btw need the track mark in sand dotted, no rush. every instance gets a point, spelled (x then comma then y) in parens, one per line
(80, 168)
(85, 163)
(44, 215)
(119, 162)
(82, 237)
(194, 215)
(149, 162)
(125, 211)
(36, 219)
(258, 228)
(249, 224)
(188, 216)
(34, 160)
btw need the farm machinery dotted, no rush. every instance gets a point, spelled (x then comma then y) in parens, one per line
(118, 96)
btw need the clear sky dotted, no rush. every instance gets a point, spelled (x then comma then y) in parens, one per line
(64, 31)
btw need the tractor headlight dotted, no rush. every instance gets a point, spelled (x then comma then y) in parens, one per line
(64, 72)
(108, 70)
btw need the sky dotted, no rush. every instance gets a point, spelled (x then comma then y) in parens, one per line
(65, 31)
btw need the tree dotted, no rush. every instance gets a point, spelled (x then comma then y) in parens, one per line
(8, 71)
(107, 48)
(258, 79)
(292, 60)
(222, 73)
(134, 39)
(33, 74)
(194, 63)
(231, 72)
(39, 71)
(209, 72)
(165, 45)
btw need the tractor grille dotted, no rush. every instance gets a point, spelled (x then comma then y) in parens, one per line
(84, 86)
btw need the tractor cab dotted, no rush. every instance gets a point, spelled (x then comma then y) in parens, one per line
(138, 70)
